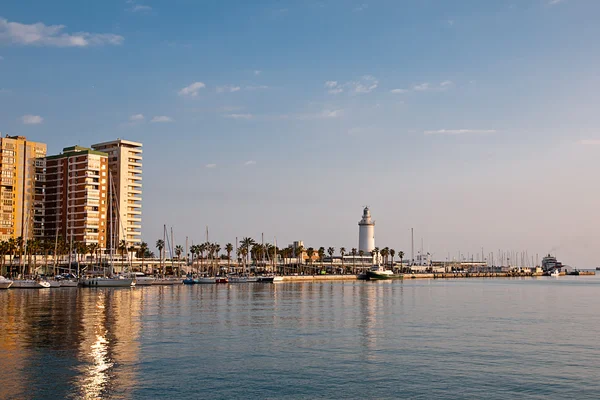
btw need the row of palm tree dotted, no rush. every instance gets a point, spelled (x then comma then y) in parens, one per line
(205, 256)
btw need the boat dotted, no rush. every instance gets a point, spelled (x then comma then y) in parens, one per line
(555, 273)
(278, 279)
(221, 279)
(167, 281)
(265, 278)
(189, 280)
(377, 272)
(29, 284)
(53, 283)
(68, 283)
(206, 280)
(237, 279)
(109, 280)
(363, 276)
(5, 283)
(142, 279)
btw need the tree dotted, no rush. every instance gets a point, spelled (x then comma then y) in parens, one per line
(143, 246)
(178, 251)
(246, 244)
(401, 257)
(331, 252)
(229, 250)
(321, 253)
(160, 245)
(299, 253)
(217, 249)
(392, 254)
(93, 250)
(343, 253)
(385, 252)
(353, 252)
(309, 252)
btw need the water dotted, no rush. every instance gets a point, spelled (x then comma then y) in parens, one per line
(498, 338)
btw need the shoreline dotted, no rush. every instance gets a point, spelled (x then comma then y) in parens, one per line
(305, 278)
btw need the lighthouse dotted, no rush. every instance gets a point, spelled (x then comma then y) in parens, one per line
(366, 232)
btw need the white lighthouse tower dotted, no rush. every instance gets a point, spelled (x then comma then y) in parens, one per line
(366, 232)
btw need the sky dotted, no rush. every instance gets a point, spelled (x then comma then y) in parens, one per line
(473, 122)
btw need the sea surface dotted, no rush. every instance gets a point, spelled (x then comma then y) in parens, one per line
(421, 339)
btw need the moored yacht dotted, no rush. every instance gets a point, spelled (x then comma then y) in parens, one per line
(142, 279)
(378, 272)
(29, 284)
(5, 283)
(108, 282)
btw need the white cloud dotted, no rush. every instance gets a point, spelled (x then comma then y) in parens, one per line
(192, 90)
(554, 2)
(366, 84)
(361, 7)
(426, 86)
(451, 22)
(460, 132)
(39, 34)
(239, 116)
(211, 165)
(137, 117)
(590, 142)
(228, 88)
(257, 72)
(161, 118)
(446, 84)
(250, 162)
(398, 91)
(32, 119)
(422, 87)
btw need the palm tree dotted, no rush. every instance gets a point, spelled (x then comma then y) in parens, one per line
(392, 253)
(401, 256)
(4, 250)
(93, 250)
(331, 251)
(178, 251)
(309, 252)
(321, 253)
(343, 253)
(160, 245)
(299, 253)
(385, 252)
(229, 250)
(353, 252)
(143, 249)
(246, 243)
(217, 249)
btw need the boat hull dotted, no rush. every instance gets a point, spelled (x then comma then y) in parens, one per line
(373, 275)
(69, 284)
(166, 281)
(144, 281)
(29, 284)
(108, 282)
(5, 283)
(206, 280)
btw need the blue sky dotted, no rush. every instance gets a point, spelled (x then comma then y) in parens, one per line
(475, 122)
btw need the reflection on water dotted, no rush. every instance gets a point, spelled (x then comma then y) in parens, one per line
(500, 339)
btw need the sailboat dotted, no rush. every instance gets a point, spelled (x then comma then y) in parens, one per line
(163, 279)
(110, 280)
(5, 283)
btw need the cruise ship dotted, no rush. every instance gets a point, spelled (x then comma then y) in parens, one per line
(549, 264)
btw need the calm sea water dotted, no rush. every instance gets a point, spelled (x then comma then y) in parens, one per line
(444, 339)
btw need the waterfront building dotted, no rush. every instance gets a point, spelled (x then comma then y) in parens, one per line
(21, 187)
(366, 232)
(76, 197)
(125, 166)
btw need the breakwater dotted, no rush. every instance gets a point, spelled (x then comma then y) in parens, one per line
(436, 275)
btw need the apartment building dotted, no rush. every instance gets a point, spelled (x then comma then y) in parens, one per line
(76, 196)
(125, 166)
(21, 187)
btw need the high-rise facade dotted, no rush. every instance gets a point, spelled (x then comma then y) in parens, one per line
(76, 196)
(125, 166)
(21, 187)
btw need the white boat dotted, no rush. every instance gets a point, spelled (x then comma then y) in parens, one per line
(29, 284)
(53, 284)
(143, 280)
(206, 280)
(278, 279)
(68, 283)
(555, 273)
(108, 282)
(167, 281)
(237, 279)
(5, 283)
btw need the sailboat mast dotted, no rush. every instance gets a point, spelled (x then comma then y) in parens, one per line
(162, 256)
(110, 223)
(55, 247)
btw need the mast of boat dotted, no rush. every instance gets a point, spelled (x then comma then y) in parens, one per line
(55, 247)
(110, 224)
(172, 251)
(70, 249)
(162, 256)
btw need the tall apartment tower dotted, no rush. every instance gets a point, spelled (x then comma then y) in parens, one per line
(125, 166)
(22, 166)
(76, 196)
